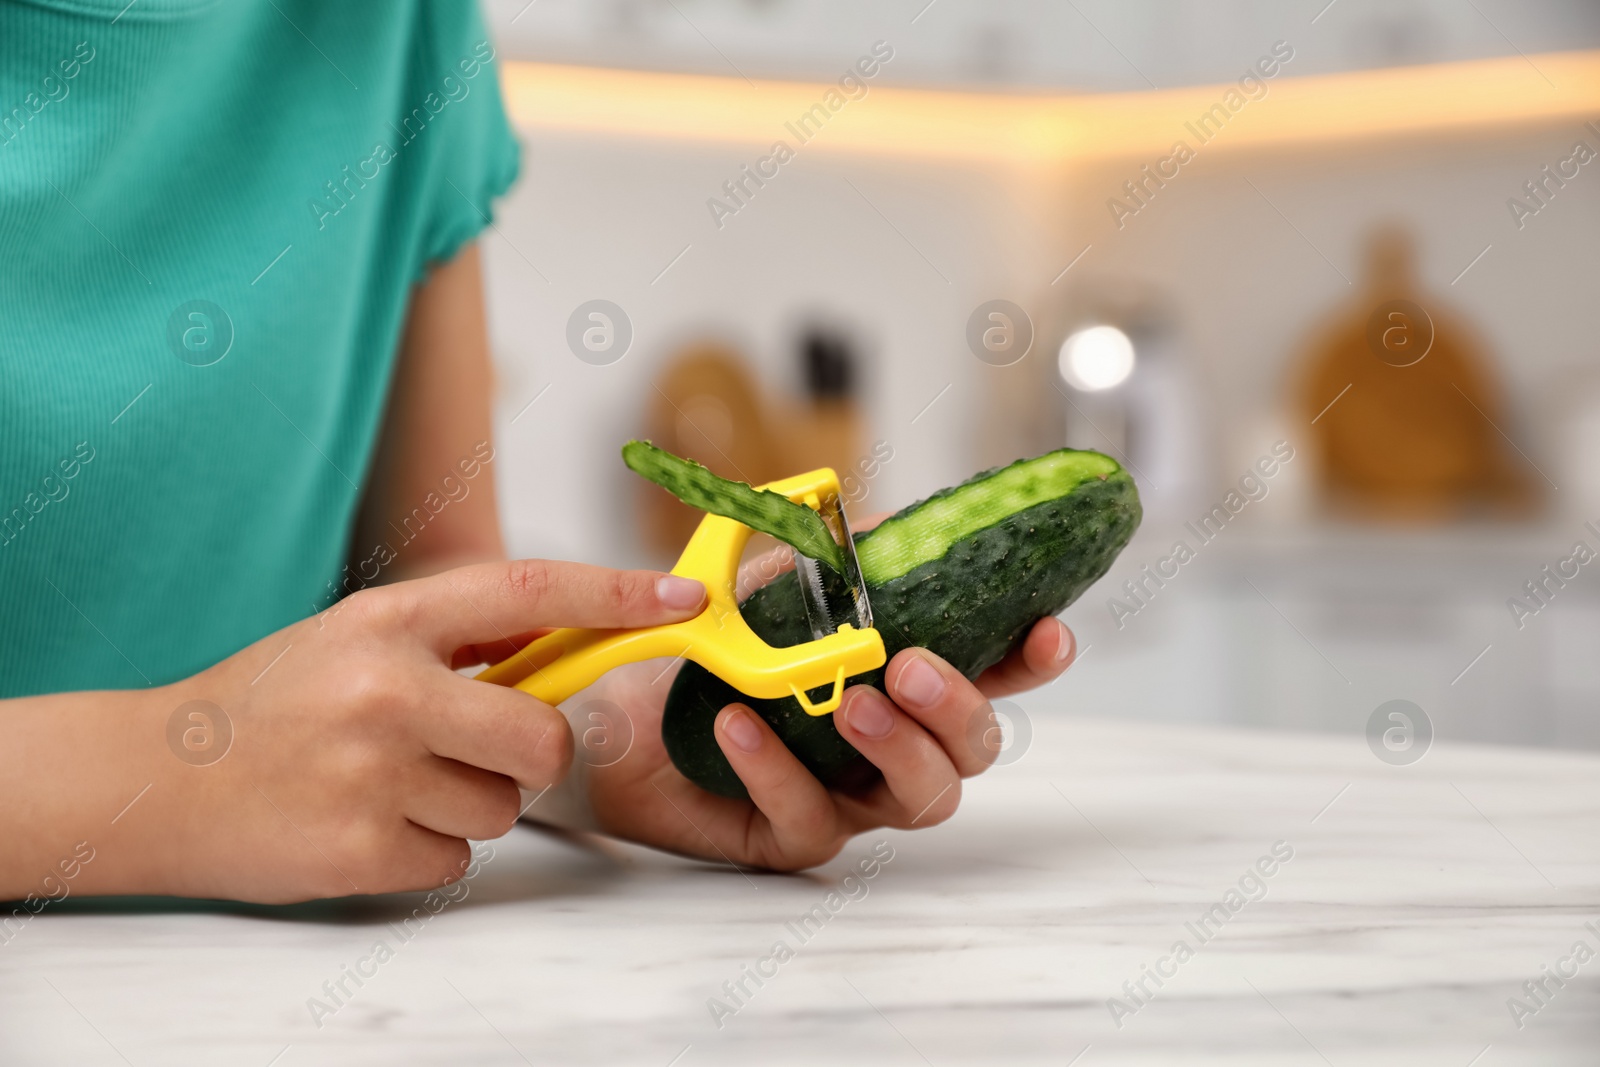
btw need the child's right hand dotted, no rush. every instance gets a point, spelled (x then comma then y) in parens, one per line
(360, 761)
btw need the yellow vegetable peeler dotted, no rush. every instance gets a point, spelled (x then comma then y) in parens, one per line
(844, 642)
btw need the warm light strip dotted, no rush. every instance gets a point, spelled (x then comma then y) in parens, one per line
(1441, 98)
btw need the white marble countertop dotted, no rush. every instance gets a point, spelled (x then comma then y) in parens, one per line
(1418, 900)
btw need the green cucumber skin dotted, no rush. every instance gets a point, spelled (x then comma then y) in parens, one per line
(760, 509)
(970, 607)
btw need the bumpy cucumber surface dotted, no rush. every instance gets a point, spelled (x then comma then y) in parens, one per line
(760, 509)
(965, 573)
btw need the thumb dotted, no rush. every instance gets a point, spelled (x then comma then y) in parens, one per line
(494, 602)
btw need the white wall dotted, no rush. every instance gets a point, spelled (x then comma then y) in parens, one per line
(1248, 288)
(602, 219)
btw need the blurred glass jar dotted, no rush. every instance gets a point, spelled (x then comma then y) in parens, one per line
(1129, 391)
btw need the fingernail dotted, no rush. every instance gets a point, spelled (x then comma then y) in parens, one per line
(920, 684)
(1064, 642)
(742, 731)
(869, 716)
(683, 593)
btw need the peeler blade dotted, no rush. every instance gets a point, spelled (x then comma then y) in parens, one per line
(831, 598)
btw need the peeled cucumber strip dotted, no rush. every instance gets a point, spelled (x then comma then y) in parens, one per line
(795, 525)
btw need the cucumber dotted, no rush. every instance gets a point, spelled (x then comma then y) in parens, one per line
(965, 573)
(760, 509)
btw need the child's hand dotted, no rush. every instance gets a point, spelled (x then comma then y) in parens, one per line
(360, 760)
(922, 741)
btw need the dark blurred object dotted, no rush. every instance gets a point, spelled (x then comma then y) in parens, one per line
(1407, 414)
(708, 407)
(829, 364)
(826, 428)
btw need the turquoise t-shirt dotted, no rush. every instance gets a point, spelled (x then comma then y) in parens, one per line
(212, 217)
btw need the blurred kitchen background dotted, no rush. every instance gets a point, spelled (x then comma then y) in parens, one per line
(1376, 254)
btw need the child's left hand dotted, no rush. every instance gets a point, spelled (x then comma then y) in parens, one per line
(921, 740)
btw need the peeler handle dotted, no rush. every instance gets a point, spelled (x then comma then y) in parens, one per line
(559, 664)
(562, 662)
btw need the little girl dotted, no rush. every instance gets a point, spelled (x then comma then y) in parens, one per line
(247, 514)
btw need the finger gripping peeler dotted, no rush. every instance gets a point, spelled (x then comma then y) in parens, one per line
(844, 642)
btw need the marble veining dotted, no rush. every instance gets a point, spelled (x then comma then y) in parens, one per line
(1417, 902)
